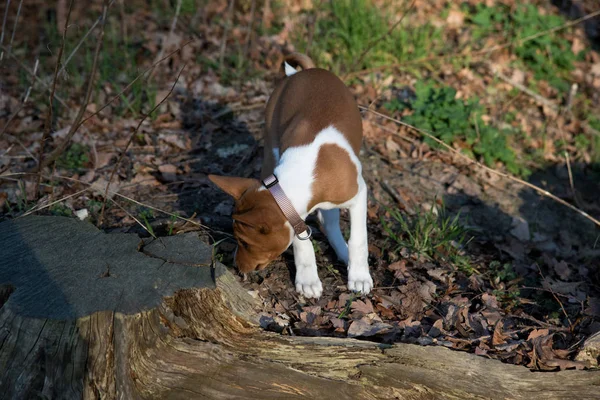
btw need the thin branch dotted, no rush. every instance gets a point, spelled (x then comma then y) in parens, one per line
(39, 208)
(168, 39)
(81, 41)
(371, 45)
(114, 171)
(23, 103)
(82, 109)
(12, 176)
(4, 27)
(12, 36)
(33, 75)
(250, 29)
(225, 34)
(538, 98)
(488, 169)
(48, 120)
(134, 218)
(556, 298)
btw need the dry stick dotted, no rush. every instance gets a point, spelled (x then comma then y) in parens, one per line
(371, 45)
(27, 93)
(82, 109)
(477, 53)
(52, 157)
(4, 27)
(166, 41)
(30, 72)
(12, 36)
(134, 218)
(491, 170)
(79, 45)
(48, 121)
(111, 192)
(250, 28)
(225, 34)
(133, 81)
(559, 112)
(556, 298)
(39, 208)
(114, 171)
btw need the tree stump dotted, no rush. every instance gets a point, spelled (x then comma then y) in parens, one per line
(91, 315)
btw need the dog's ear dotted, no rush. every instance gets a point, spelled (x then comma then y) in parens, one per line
(233, 186)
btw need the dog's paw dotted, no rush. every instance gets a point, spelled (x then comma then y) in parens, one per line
(308, 284)
(359, 280)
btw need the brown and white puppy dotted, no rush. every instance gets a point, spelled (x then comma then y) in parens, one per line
(313, 133)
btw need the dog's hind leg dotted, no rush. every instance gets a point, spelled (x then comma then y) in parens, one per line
(330, 223)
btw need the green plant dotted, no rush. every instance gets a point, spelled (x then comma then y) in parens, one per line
(430, 235)
(457, 122)
(354, 26)
(548, 56)
(61, 210)
(145, 215)
(74, 158)
(172, 222)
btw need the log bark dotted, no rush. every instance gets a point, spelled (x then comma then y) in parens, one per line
(163, 321)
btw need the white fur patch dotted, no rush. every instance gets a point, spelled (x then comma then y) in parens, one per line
(289, 70)
(296, 167)
(295, 171)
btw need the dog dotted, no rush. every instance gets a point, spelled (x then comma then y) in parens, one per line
(313, 134)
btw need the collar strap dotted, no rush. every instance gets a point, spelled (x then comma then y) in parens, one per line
(284, 203)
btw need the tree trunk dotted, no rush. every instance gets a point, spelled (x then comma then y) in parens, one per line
(92, 315)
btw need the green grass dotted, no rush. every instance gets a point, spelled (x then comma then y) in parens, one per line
(549, 56)
(146, 215)
(352, 27)
(458, 122)
(430, 235)
(74, 158)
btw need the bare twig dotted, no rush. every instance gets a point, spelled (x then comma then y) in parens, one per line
(12, 36)
(82, 108)
(33, 75)
(538, 98)
(39, 208)
(48, 120)
(4, 27)
(226, 33)
(486, 168)
(556, 298)
(371, 45)
(480, 53)
(116, 167)
(81, 41)
(167, 40)
(23, 103)
(12, 176)
(250, 29)
(134, 218)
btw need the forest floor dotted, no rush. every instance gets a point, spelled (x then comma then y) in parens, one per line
(461, 256)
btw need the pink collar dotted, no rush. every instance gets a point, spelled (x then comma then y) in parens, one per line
(284, 203)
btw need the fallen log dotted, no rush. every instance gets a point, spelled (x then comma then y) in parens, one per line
(91, 315)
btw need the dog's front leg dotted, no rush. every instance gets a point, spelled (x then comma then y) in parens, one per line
(307, 278)
(359, 278)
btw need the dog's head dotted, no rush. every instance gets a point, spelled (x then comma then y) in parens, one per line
(259, 226)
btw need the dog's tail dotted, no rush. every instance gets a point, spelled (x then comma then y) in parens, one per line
(288, 67)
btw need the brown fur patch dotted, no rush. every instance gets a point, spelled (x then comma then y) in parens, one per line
(260, 228)
(304, 104)
(336, 176)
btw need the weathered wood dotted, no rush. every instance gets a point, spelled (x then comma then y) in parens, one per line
(203, 341)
